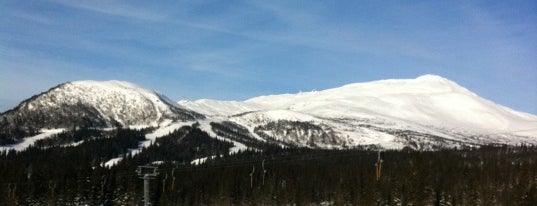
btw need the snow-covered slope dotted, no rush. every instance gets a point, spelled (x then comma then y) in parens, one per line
(429, 110)
(428, 100)
(424, 113)
(31, 140)
(220, 108)
(97, 104)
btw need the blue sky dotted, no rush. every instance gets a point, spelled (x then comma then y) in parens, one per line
(235, 50)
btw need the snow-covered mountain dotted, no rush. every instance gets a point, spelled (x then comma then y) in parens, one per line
(95, 104)
(423, 113)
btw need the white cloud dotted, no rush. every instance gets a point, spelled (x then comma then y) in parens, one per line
(114, 8)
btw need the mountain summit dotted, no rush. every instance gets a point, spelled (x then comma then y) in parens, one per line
(383, 112)
(95, 104)
(426, 100)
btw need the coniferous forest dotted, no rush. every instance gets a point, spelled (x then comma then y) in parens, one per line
(68, 169)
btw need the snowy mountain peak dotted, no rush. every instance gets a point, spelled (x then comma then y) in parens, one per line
(430, 105)
(123, 87)
(421, 85)
(109, 83)
(98, 104)
(110, 86)
(431, 77)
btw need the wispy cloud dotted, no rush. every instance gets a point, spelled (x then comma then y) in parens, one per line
(113, 8)
(502, 40)
(303, 27)
(33, 17)
(236, 62)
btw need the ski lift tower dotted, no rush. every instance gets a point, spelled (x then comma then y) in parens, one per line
(378, 167)
(147, 173)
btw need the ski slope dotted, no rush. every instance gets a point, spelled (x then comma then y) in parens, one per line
(429, 104)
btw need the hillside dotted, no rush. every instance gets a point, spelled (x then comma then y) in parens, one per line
(426, 112)
(91, 104)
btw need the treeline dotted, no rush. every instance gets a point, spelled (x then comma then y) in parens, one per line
(57, 172)
(485, 176)
(75, 175)
(303, 133)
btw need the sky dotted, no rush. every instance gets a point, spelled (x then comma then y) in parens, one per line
(235, 50)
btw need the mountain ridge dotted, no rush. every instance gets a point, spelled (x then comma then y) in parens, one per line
(427, 112)
(91, 103)
(430, 104)
(390, 90)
